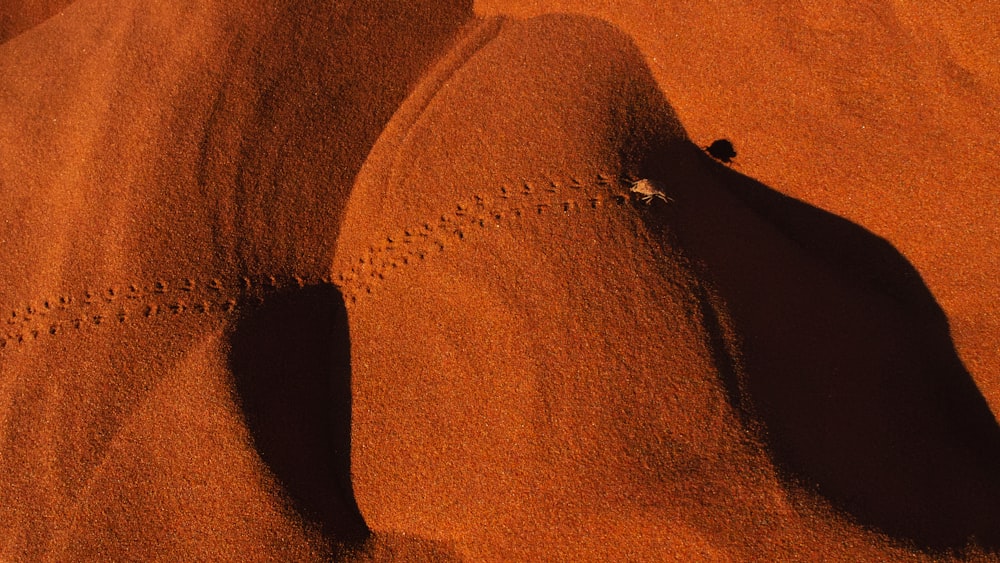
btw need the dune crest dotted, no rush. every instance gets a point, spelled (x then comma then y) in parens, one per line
(172, 174)
(533, 344)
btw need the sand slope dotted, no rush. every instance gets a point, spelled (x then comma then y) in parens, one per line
(883, 113)
(607, 351)
(338, 280)
(18, 17)
(163, 168)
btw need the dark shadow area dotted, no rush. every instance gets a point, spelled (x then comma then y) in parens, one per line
(721, 149)
(846, 363)
(291, 358)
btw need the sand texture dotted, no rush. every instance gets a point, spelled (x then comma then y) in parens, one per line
(435, 281)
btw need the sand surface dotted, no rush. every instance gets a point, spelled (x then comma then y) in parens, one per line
(356, 281)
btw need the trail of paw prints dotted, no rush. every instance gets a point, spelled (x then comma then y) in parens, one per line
(117, 305)
(510, 202)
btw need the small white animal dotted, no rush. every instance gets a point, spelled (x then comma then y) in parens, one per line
(648, 189)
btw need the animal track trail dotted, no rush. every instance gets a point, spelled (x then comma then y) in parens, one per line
(117, 305)
(66, 313)
(508, 203)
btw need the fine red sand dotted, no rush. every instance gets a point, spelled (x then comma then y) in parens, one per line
(365, 281)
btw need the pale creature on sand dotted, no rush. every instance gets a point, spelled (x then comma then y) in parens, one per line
(649, 189)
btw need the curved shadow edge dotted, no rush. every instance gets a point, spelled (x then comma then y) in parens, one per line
(291, 359)
(870, 408)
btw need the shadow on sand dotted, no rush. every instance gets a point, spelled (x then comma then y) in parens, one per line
(846, 365)
(842, 360)
(291, 359)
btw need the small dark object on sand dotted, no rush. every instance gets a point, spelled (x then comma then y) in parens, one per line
(721, 149)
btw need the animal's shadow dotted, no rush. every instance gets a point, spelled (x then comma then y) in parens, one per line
(291, 360)
(846, 364)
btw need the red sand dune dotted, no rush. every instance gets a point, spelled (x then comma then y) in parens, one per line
(369, 282)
